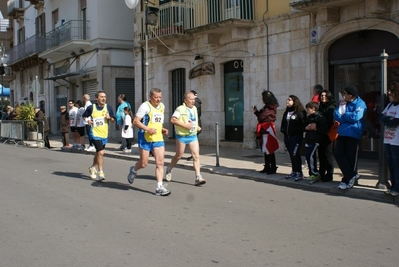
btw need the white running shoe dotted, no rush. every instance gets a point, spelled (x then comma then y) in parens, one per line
(101, 176)
(91, 149)
(342, 186)
(168, 175)
(93, 173)
(162, 191)
(199, 180)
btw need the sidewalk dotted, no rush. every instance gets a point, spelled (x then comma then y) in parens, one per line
(245, 164)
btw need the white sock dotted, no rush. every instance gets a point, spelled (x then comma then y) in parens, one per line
(159, 184)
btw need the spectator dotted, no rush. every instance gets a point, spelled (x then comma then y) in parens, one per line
(42, 125)
(64, 126)
(326, 158)
(315, 129)
(316, 92)
(390, 118)
(80, 125)
(127, 129)
(9, 114)
(266, 130)
(73, 111)
(87, 103)
(120, 116)
(351, 116)
(292, 126)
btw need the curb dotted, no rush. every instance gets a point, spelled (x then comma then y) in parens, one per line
(327, 188)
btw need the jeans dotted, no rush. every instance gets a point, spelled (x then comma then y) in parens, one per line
(392, 155)
(293, 145)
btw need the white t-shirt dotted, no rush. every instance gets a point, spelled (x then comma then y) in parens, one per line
(72, 116)
(129, 132)
(144, 109)
(88, 103)
(79, 118)
(391, 134)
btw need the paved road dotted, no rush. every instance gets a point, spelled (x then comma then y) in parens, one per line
(52, 214)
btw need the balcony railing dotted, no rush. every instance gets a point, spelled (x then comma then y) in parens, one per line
(176, 17)
(69, 31)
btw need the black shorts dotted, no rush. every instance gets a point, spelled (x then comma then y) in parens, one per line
(98, 144)
(73, 129)
(81, 131)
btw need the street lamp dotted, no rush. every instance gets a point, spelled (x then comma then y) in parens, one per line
(151, 17)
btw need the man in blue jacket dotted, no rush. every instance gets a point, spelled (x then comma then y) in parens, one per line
(351, 115)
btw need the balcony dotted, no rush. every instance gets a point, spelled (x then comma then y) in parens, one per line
(180, 18)
(313, 5)
(15, 8)
(69, 37)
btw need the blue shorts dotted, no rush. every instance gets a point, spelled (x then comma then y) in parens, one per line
(149, 146)
(186, 139)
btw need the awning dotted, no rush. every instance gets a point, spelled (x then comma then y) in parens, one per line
(63, 76)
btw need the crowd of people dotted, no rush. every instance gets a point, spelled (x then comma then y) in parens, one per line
(319, 125)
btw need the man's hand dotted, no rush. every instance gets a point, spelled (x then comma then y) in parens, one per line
(151, 131)
(165, 131)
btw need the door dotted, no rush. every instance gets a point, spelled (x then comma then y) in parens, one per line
(234, 100)
(178, 89)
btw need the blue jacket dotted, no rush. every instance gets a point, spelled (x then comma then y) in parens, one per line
(119, 113)
(352, 121)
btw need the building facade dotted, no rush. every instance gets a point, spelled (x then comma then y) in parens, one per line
(229, 51)
(70, 48)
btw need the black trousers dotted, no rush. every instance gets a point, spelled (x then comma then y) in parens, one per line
(326, 159)
(293, 145)
(345, 154)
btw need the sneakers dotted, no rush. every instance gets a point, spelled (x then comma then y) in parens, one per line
(93, 173)
(126, 150)
(132, 174)
(394, 193)
(342, 186)
(352, 181)
(168, 175)
(91, 149)
(313, 177)
(298, 176)
(388, 191)
(162, 191)
(291, 175)
(101, 176)
(199, 180)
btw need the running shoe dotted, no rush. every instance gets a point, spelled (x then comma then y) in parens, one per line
(168, 175)
(199, 180)
(91, 149)
(342, 186)
(93, 173)
(101, 176)
(394, 193)
(291, 175)
(352, 181)
(132, 174)
(298, 176)
(162, 191)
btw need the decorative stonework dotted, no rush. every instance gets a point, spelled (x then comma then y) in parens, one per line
(377, 6)
(326, 15)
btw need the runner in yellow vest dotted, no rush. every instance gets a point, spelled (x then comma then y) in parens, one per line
(101, 114)
(185, 119)
(149, 119)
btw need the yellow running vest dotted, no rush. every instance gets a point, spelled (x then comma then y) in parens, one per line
(155, 120)
(100, 123)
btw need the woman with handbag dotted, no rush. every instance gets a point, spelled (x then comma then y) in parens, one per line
(326, 158)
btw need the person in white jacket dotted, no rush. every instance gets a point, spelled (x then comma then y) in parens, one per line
(127, 129)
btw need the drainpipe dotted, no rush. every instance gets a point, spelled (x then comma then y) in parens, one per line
(267, 44)
(143, 96)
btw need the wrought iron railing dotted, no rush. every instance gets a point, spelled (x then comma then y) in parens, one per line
(176, 17)
(71, 30)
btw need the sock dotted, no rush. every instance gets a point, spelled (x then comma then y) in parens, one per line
(159, 184)
(168, 169)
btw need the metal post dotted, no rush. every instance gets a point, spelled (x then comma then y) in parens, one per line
(382, 165)
(217, 143)
(146, 54)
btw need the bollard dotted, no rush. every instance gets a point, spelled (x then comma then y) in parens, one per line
(217, 143)
(382, 165)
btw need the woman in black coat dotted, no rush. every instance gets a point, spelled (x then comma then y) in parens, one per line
(292, 126)
(326, 158)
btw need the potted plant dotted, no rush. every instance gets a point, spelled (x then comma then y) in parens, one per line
(26, 113)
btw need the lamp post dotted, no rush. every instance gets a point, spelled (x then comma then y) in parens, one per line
(150, 18)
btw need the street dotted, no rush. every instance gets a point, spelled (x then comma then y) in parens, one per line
(53, 214)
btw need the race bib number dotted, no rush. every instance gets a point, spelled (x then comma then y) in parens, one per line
(98, 122)
(157, 118)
